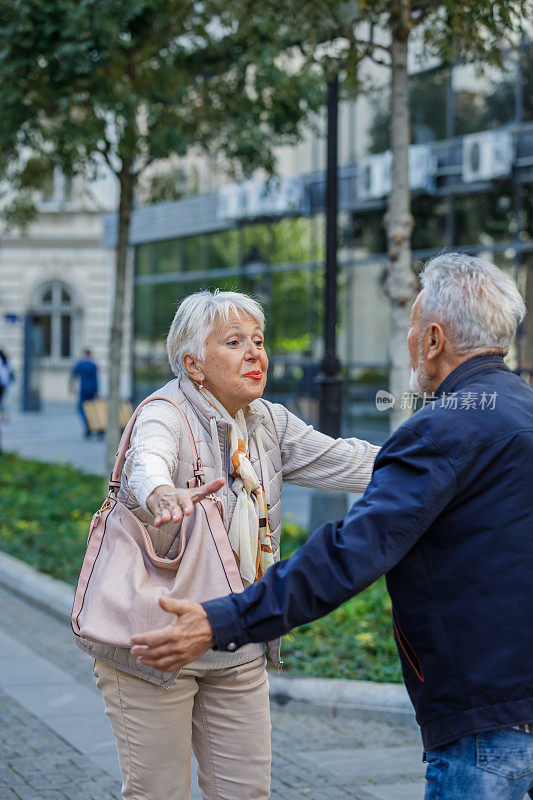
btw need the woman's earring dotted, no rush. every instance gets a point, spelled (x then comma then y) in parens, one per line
(201, 383)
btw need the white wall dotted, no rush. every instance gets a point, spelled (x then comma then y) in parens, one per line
(63, 246)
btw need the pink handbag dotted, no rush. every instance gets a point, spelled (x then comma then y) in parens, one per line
(122, 577)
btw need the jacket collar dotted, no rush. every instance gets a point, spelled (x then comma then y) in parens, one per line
(474, 365)
(205, 412)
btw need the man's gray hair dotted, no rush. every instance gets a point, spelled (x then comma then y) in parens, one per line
(195, 318)
(476, 302)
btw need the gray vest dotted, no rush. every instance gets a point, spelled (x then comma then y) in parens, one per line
(212, 437)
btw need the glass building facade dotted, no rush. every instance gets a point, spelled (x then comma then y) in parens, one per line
(280, 261)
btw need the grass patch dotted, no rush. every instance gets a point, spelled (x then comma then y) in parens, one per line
(45, 512)
(355, 641)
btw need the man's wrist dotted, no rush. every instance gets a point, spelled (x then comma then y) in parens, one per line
(228, 631)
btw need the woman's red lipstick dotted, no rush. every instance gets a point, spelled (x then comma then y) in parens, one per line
(256, 374)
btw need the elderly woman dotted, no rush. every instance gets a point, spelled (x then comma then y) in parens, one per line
(219, 703)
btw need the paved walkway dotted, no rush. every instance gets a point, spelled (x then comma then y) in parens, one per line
(53, 434)
(56, 743)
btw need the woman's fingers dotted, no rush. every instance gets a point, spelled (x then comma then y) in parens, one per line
(164, 505)
(185, 500)
(170, 504)
(208, 488)
(167, 511)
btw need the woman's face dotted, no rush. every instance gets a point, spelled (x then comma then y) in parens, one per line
(236, 363)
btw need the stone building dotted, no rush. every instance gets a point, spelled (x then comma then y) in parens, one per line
(56, 282)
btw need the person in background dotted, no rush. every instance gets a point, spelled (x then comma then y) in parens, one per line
(7, 377)
(448, 518)
(86, 372)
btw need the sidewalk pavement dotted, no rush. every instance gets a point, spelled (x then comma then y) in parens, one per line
(347, 740)
(344, 740)
(54, 434)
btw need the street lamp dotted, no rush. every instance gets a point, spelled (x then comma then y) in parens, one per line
(332, 505)
(329, 379)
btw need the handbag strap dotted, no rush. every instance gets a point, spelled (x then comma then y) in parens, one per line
(198, 470)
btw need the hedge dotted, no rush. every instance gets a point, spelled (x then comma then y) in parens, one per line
(45, 512)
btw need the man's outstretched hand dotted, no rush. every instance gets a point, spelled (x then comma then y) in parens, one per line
(179, 643)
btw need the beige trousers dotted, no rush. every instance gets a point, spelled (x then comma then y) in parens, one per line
(223, 713)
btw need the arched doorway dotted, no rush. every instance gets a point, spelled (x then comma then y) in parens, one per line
(51, 340)
(55, 313)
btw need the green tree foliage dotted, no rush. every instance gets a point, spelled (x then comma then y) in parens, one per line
(170, 184)
(337, 36)
(140, 80)
(136, 81)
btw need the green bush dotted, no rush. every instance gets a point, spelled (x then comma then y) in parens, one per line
(45, 513)
(354, 641)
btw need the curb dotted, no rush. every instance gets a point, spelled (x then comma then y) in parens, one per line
(41, 590)
(389, 699)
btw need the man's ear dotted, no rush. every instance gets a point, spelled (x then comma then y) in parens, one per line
(435, 340)
(193, 368)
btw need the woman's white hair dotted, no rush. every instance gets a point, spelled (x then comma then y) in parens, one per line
(476, 302)
(195, 318)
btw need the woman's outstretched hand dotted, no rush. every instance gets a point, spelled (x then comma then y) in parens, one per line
(179, 643)
(169, 504)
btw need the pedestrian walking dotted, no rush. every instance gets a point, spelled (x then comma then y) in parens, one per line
(7, 376)
(448, 518)
(219, 703)
(85, 371)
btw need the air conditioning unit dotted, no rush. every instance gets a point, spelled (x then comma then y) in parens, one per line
(283, 195)
(487, 155)
(258, 198)
(229, 202)
(254, 193)
(373, 176)
(422, 168)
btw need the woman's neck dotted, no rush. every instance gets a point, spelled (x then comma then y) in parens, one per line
(231, 409)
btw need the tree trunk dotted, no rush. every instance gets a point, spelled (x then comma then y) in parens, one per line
(116, 333)
(398, 219)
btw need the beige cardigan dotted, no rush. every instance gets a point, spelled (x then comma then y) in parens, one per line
(281, 448)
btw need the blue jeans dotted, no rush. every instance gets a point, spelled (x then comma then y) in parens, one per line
(495, 765)
(81, 412)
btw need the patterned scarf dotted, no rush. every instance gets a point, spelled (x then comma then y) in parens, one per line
(249, 533)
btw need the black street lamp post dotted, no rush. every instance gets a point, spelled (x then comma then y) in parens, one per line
(329, 379)
(332, 505)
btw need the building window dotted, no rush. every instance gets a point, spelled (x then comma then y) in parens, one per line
(54, 315)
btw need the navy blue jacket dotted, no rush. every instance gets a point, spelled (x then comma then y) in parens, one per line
(87, 371)
(448, 517)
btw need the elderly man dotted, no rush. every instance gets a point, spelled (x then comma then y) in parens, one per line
(448, 518)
